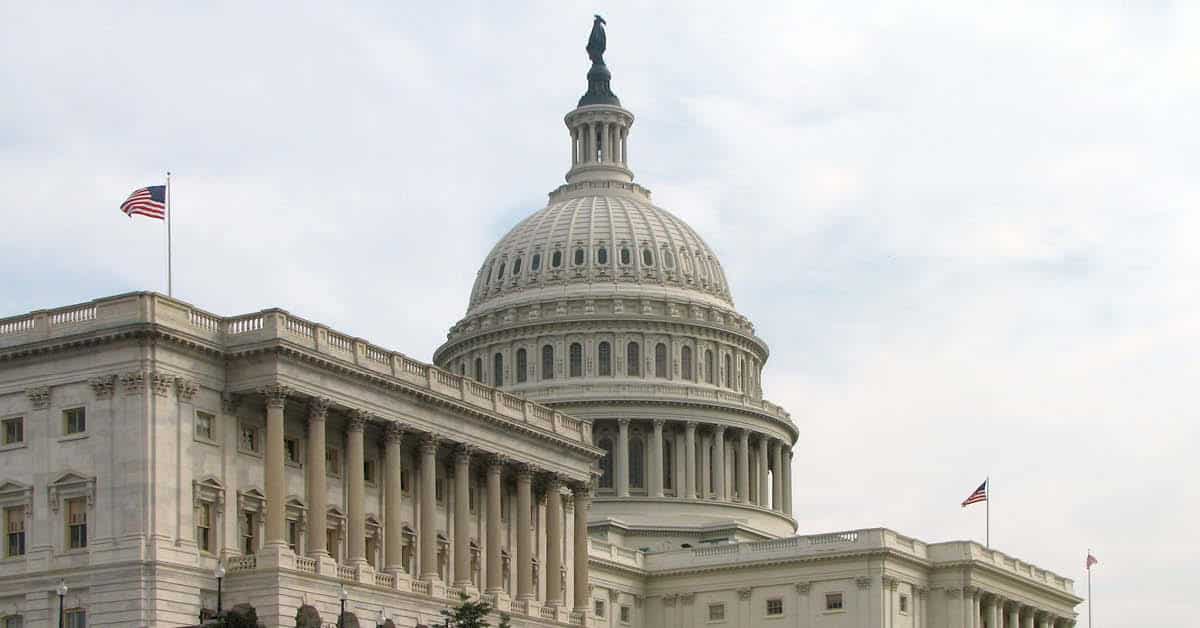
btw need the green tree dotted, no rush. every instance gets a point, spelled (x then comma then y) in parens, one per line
(469, 614)
(504, 621)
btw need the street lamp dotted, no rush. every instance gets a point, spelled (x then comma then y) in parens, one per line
(382, 619)
(219, 572)
(62, 593)
(343, 596)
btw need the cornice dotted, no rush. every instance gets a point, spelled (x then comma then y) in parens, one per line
(994, 571)
(790, 427)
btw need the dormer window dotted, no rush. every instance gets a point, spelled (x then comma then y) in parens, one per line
(535, 264)
(580, 256)
(668, 260)
(602, 256)
(556, 259)
(626, 256)
(647, 257)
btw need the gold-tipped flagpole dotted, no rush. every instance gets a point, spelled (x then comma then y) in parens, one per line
(170, 282)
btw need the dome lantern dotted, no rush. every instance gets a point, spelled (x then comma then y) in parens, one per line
(599, 126)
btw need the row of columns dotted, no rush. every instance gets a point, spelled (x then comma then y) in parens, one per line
(612, 140)
(773, 454)
(990, 610)
(275, 529)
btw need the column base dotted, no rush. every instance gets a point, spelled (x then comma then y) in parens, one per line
(326, 565)
(500, 600)
(363, 571)
(276, 556)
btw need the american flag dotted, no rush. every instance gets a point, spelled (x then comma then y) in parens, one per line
(148, 201)
(980, 495)
(1091, 560)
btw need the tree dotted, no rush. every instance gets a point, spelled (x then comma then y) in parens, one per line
(469, 614)
(504, 621)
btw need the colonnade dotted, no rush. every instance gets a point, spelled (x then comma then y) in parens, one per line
(705, 464)
(599, 142)
(429, 445)
(986, 609)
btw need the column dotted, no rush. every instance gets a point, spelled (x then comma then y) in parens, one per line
(314, 476)
(605, 142)
(689, 452)
(705, 465)
(356, 549)
(971, 605)
(494, 488)
(743, 467)
(995, 610)
(1048, 620)
(428, 540)
(462, 516)
(1014, 615)
(621, 460)
(656, 459)
(275, 533)
(553, 543)
(763, 487)
(719, 463)
(582, 500)
(575, 146)
(524, 551)
(624, 158)
(777, 483)
(393, 529)
(1027, 617)
(591, 142)
(787, 481)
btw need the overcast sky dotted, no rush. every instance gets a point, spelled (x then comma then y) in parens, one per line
(969, 236)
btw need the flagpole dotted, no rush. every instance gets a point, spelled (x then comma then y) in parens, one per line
(1089, 569)
(987, 538)
(170, 286)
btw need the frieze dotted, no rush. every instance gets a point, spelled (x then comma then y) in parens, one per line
(103, 386)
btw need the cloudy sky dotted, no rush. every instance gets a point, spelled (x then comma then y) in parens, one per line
(967, 234)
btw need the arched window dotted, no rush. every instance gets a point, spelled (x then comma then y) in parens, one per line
(604, 355)
(516, 267)
(668, 462)
(535, 264)
(602, 256)
(606, 462)
(660, 360)
(728, 371)
(576, 359)
(710, 369)
(626, 256)
(498, 369)
(500, 271)
(547, 362)
(633, 360)
(579, 256)
(742, 373)
(478, 369)
(668, 260)
(647, 257)
(462, 369)
(686, 261)
(556, 259)
(522, 365)
(637, 466)
(685, 361)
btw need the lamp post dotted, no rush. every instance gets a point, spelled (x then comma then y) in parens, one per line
(343, 595)
(62, 593)
(219, 572)
(382, 619)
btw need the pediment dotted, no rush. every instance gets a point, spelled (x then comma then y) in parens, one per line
(69, 478)
(13, 493)
(8, 487)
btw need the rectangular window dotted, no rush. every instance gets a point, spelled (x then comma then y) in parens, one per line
(204, 425)
(333, 462)
(204, 527)
(75, 618)
(14, 431)
(775, 606)
(716, 612)
(369, 471)
(76, 523)
(14, 621)
(833, 601)
(599, 609)
(404, 486)
(249, 542)
(293, 535)
(904, 603)
(626, 614)
(331, 543)
(439, 491)
(74, 421)
(14, 531)
(248, 439)
(291, 450)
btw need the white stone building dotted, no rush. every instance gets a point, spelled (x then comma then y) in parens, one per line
(144, 441)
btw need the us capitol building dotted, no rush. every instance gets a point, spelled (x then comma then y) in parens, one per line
(591, 446)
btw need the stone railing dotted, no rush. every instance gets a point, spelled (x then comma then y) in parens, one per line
(305, 564)
(853, 540)
(616, 553)
(241, 563)
(386, 580)
(233, 332)
(346, 572)
(957, 550)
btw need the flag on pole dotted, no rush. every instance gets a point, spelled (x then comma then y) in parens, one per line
(148, 201)
(1091, 560)
(980, 495)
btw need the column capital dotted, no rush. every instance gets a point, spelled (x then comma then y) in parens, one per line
(230, 402)
(889, 582)
(358, 420)
(719, 429)
(39, 397)
(863, 582)
(623, 422)
(393, 432)
(462, 453)
(689, 426)
(428, 442)
(580, 489)
(496, 462)
(318, 408)
(525, 471)
(659, 423)
(970, 589)
(276, 394)
(744, 434)
(803, 587)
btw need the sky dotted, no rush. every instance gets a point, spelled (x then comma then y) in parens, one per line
(967, 232)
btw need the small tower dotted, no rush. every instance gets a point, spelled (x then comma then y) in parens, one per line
(599, 126)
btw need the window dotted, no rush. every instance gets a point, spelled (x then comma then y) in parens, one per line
(14, 531)
(903, 603)
(75, 618)
(710, 371)
(606, 462)
(204, 527)
(775, 606)
(332, 539)
(633, 360)
(685, 260)
(500, 271)
(522, 365)
(478, 372)
(498, 369)
(248, 440)
(516, 267)
(204, 425)
(77, 523)
(576, 359)
(716, 612)
(626, 614)
(668, 260)
(291, 450)
(598, 607)
(580, 256)
(249, 538)
(404, 481)
(637, 456)
(556, 259)
(14, 621)
(439, 490)
(685, 361)
(728, 371)
(668, 464)
(742, 375)
(333, 462)
(833, 601)
(647, 257)
(535, 264)
(293, 535)
(602, 256)
(369, 471)
(604, 354)
(547, 362)
(625, 257)
(74, 421)
(14, 431)
(660, 360)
